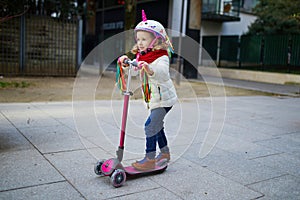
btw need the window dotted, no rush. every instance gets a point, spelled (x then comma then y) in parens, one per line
(248, 5)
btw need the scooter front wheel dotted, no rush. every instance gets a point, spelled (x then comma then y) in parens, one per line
(97, 167)
(118, 178)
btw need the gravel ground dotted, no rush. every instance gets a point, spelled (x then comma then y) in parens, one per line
(48, 89)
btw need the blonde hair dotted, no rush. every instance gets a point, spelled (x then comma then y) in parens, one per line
(159, 44)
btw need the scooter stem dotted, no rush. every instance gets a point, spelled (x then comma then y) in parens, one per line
(124, 120)
(124, 116)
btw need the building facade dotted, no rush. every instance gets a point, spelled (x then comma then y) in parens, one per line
(194, 18)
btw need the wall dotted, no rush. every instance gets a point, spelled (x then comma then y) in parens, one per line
(228, 28)
(238, 28)
(211, 28)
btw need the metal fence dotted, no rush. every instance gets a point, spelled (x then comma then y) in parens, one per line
(42, 45)
(250, 51)
(228, 49)
(210, 44)
(277, 53)
(39, 45)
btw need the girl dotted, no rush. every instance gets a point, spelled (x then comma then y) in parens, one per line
(151, 53)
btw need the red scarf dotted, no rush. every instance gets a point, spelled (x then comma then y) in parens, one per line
(150, 56)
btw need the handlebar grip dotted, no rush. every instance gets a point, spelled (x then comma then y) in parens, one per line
(126, 61)
(134, 63)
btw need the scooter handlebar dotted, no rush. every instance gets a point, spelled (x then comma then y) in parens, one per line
(130, 62)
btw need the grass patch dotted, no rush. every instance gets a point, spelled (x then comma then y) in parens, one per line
(14, 84)
(292, 83)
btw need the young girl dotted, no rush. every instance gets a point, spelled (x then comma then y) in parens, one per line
(151, 53)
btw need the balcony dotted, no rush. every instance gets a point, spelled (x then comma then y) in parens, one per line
(221, 10)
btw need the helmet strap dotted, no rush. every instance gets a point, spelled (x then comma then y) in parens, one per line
(150, 47)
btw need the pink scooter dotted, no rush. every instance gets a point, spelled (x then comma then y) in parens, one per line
(113, 166)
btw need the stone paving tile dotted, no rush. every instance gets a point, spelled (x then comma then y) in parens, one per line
(293, 136)
(262, 112)
(286, 124)
(73, 164)
(3, 121)
(281, 143)
(259, 127)
(24, 169)
(54, 139)
(192, 181)
(283, 187)
(51, 191)
(77, 166)
(157, 193)
(62, 112)
(242, 148)
(26, 115)
(234, 108)
(12, 140)
(232, 166)
(284, 162)
(55, 109)
(244, 133)
(132, 149)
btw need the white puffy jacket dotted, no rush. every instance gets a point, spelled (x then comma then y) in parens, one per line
(163, 93)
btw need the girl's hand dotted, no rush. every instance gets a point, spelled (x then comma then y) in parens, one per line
(145, 65)
(122, 59)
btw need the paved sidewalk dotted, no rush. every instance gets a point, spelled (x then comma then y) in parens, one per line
(256, 157)
(279, 89)
(48, 150)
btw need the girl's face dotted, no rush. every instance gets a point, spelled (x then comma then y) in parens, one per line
(143, 40)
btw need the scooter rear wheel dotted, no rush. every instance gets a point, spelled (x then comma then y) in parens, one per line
(118, 178)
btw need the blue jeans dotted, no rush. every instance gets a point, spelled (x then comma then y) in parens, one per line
(154, 130)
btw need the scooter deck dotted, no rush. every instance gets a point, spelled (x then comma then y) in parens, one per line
(131, 172)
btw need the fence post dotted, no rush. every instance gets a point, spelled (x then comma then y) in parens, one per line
(262, 53)
(239, 51)
(219, 51)
(22, 44)
(79, 45)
